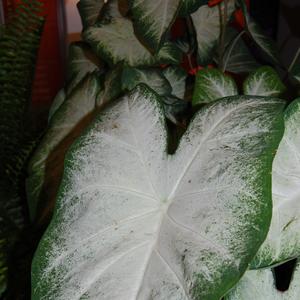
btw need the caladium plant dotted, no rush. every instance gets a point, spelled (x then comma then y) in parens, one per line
(136, 218)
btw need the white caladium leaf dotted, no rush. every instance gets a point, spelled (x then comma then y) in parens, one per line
(81, 62)
(263, 82)
(212, 84)
(153, 19)
(133, 222)
(206, 21)
(89, 11)
(116, 42)
(260, 285)
(153, 77)
(57, 102)
(176, 77)
(45, 166)
(283, 240)
(265, 43)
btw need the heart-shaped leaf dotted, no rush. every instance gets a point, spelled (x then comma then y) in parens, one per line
(116, 42)
(206, 21)
(133, 222)
(152, 20)
(283, 240)
(264, 82)
(212, 84)
(89, 11)
(260, 285)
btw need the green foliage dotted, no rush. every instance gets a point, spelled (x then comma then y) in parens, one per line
(128, 75)
(19, 41)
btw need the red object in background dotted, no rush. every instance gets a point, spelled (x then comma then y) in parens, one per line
(49, 74)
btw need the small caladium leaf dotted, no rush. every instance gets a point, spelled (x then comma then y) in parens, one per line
(237, 57)
(283, 240)
(81, 62)
(263, 82)
(212, 84)
(153, 77)
(176, 77)
(153, 19)
(265, 43)
(207, 25)
(189, 6)
(260, 285)
(123, 46)
(57, 102)
(46, 165)
(89, 11)
(133, 222)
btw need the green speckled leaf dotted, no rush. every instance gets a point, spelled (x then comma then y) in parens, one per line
(116, 42)
(152, 77)
(283, 240)
(89, 11)
(152, 20)
(133, 222)
(264, 82)
(260, 285)
(46, 165)
(81, 62)
(212, 84)
(176, 77)
(206, 21)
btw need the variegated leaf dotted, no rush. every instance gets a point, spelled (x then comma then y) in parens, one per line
(152, 20)
(260, 285)
(133, 222)
(265, 43)
(116, 42)
(89, 11)
(176, 77)
(206, 21)
(57, 102)
(237, 56)
(264, 82)
(283, 240)
(46, 165)
(152, 77)
(212, 84)
(81, 61)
